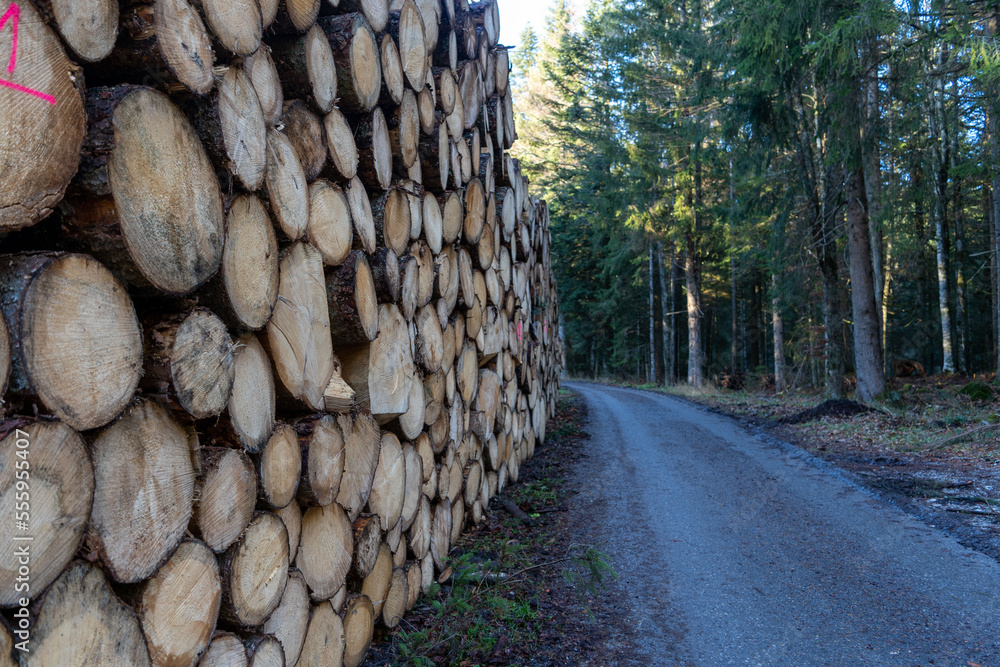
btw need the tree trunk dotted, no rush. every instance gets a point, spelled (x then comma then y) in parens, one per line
(867, 339)
(306, 68)
(356, 54)
(779, 337)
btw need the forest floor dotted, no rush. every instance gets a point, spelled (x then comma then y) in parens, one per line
(515, 594)
(932, 446)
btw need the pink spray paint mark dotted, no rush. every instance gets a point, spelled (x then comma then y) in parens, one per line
(13, 14)
(519, 337)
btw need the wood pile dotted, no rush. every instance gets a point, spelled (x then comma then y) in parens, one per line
(278, 320)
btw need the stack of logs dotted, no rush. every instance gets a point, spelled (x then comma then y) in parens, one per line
(278, 321)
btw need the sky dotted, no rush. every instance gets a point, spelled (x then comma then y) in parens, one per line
(515, 14)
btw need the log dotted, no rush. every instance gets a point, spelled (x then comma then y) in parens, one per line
(429, 346)
(392, 73)
(446, 51)
(359, 628)
(353, 306)
(254, 571)
(426, 113)
(251, 404)
(291, 516)
(225, 495)
(74, 338)
(329, 227)
(391, 217)
(324, 643)
(407, 28)
(231, 125)
(389, 484)
(343, 147)
(420, 531)
(376, 585)
(413, 479)
(425, 268)
(502, 70)
(263, 74)
(299, 329)
(396, 599)
(306, 67)
(356, 54)
(226, 650)
(299, 14)
(244, 292)
(375, 11)
(338, 396)
(62, 487)
(385, 273)
(440, 541)
(167, 208)
(279, 465)
(89, 27)
(411, 422)
(322, 445)
(265, 651)
(404, 130)
(447, 88)
(413, 584)
(143, 492)
(286, 185)
(324, 556)
(42, 121)
(361, 444)
(160, 43)
(452, 216)
(433, 223)
(433, 149)
(408, 286)
(236, 25)
(361, 215)
(192, 354)
(367, 538)
(305, 131)
(179, 606)
(378, 371)
(290, 620)
(82, 622)
(374, 150)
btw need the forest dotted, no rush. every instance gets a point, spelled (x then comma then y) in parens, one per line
(784, 193)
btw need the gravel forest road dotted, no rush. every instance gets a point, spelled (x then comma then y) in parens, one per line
(736, 549)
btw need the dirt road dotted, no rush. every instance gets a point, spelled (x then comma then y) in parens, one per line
(733, 549)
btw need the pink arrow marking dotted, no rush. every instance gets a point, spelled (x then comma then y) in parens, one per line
(13, 14)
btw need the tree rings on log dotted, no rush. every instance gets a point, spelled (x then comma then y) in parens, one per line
(325, 549)
(280, 465)
(82, 622)
(179, 606)
(42, 121)
(75, 339)
(61, 491)
(254, 571)
(143, 491)
(251, 403)
(299, 329)
(356, 53)
(287, 188)
(323, 453)
(353, 305)
(250, 263)
(226, 496)
(324, 642)
(359, 629)
(167, 197)
(380, 371)
(288, 623)
(329, 227)
(362, 441)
